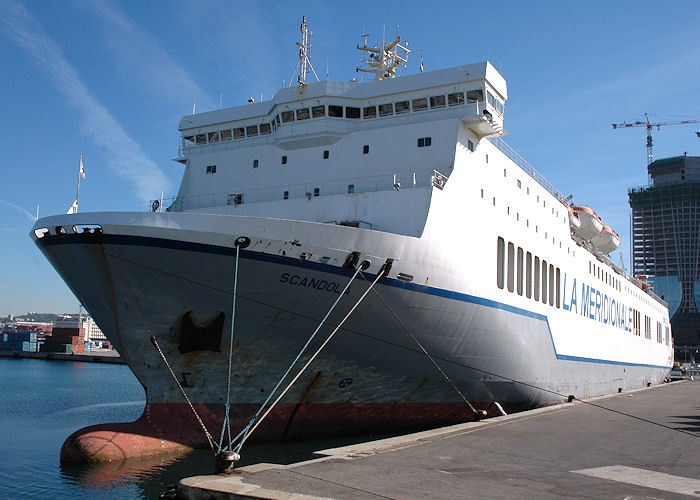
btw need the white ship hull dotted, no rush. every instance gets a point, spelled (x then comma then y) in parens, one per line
(144, 272)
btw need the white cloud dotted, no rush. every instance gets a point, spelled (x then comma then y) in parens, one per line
(31, 217)
(138, 50)
(124, 156)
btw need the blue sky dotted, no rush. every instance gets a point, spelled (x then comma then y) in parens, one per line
(110, 80)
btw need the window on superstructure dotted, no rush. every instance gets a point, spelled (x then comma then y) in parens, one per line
(491, 99)
(213, 136)
(336, 111)
(437, 101)
(317, 191)
(520, 184)
(351, 188)
(326, 154)
(284, 159)
(475, 95)
(424, 142)
(520, 272)
(251, 130)
(420, 104)
(226, 135)
(353, 113)
(201, 138)
(470, 145)
(551, 285)
(273, 124)
(455, 99)
(285, 195)
(256, 163)
(386, 109)
(189, 138)
(211, 169)
(277, 120)
(558, 288)
(287, 116)
(402, 107)
(536, 280)
(500, 261)
(238, 133)
(318, 111)
(511, 267)
(303, 114)
(369, 112)
(528, 275)
(544, 281)
(365, 149)
(265, 128)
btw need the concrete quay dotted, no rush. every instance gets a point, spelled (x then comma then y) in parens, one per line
(97, 356)
(634, 445)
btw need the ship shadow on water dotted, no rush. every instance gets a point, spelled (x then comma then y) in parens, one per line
(149, 477)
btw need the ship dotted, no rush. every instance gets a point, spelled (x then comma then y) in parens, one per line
(464, 283)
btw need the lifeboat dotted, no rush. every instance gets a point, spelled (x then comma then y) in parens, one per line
(591, 224)
(574, 220)
(606, 241)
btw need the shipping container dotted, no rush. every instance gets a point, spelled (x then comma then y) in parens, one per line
(60, 348)
(21, 336)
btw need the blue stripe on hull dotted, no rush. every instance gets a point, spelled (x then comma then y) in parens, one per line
(144, 241)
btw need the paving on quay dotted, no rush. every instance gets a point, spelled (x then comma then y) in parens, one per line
(634, 445)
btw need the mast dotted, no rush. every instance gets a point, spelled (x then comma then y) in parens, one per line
(304, 59)
(384, 59)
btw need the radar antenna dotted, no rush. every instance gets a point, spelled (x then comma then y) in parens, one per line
(384, 59)
(304, 56)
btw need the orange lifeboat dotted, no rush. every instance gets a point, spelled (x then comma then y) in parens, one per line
(591, 224)
(606, 241)
(574, 220)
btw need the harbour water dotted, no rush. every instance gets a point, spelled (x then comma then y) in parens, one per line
(43, 402)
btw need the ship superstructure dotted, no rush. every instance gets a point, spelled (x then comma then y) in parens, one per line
(506, 286)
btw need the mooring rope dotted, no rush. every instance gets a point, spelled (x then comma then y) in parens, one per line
(226, 425)
(201, 423)
(306, 365)
(415, 339)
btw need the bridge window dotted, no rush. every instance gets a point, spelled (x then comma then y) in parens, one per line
(437, 101)
(335, 111)
(213, 136)
(475, 95)
(386, 109)
(470, 145)
(251, 130)
(226, 135)
(402, 107)
(420, 104)
(318, 111)
(287, 116)
(201, 138)
(264, 128)
(353, 113)
(238, 133)
(303, 114)
(369, 112)
(455, 99)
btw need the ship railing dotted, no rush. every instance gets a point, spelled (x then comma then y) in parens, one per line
(354, 185)
(506, 149)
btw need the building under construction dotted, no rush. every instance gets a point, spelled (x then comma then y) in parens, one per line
(666, 244)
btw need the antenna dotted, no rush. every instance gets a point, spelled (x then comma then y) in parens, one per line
(384, 59)
(304, 55)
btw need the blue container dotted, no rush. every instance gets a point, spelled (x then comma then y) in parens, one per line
(21, 336)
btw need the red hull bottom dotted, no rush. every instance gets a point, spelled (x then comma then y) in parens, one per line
(171, 427)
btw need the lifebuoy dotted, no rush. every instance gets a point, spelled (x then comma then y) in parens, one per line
(155, 205)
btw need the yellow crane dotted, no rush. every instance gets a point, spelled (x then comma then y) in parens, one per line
(649, 126)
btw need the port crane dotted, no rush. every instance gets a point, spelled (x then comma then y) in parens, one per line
(649, 126)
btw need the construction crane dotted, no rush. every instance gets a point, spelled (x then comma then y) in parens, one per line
(649, 126)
